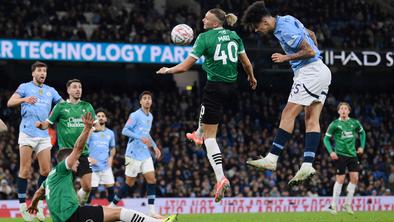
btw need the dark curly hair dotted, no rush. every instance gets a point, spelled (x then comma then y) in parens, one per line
(254, 13)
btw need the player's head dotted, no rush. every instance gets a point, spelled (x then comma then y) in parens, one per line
(101, 115)
(39, 72)
(146, 99)
(216, 17)
(74, 88)
(63, 154)
(344, 109)
(258, 18)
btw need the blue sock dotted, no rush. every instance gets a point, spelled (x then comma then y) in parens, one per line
(40, 180)
(111, 194)
(22, 187)
(151, 193)
(123, 192)
(91, 195)
(280, 141)
(312, 140)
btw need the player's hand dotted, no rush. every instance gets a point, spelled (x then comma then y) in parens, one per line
(162, 70)
(32, 209)
(38, 124)
(88, 120)
(252, 82)
(92, 161)
(360, 151)
(334, 156)
(30, 100)
(146, 141)
(110, 162)
(278, 58)
(157, 153)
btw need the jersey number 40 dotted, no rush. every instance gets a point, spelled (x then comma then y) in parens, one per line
(223, 55)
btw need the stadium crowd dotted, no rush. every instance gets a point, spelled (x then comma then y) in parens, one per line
(352, 24)
(246, 132)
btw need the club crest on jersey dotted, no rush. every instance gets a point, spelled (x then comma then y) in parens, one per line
(48, 93)
(102, 136)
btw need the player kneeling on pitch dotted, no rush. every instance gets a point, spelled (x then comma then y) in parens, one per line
(58, 190)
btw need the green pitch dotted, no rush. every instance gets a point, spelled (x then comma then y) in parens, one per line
(382, 216)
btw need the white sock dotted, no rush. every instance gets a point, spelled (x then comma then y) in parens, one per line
(272, 157)
(83, 196)
(135, 216)
(215, 157)
(336, 193)
(350, 193)
(151, 208)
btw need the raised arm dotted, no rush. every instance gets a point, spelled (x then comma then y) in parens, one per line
(180, 68)
(247, 65)
(88, 120)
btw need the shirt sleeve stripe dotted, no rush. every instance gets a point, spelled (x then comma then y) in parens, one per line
(49, 121)
(329, 135)
(240, 52)
(194, 56)
(65, 163)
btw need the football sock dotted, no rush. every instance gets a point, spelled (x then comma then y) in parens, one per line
(281, 138)
(214, 157)
(134, 216)
(312, 140)
(22, 187)
(336, 193)
(350, 193)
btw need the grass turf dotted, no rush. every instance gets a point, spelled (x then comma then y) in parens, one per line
(382, 216)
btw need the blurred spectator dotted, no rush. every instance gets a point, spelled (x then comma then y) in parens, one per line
(351, 24)
(5, 189)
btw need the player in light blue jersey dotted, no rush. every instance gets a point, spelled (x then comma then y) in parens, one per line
(102, 151)
(36, 100)
(138, 157)
(311, 81)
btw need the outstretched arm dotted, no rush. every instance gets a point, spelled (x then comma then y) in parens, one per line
(81, 141)
(180, 68)
(38, 195)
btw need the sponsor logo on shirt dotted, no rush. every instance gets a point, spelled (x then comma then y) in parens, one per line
(75, 122)
(347, 134)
